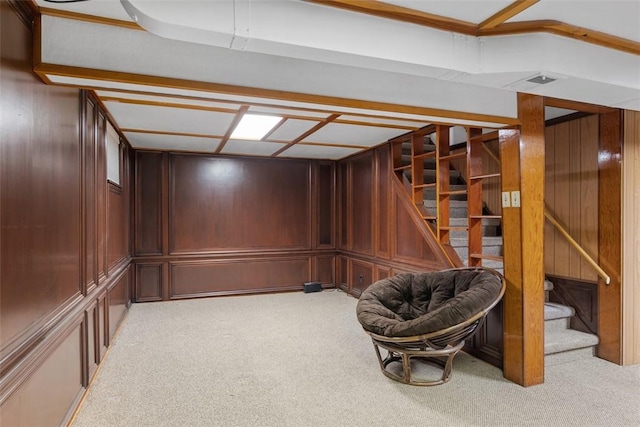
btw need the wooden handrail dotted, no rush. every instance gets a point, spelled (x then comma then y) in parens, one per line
(576, 246)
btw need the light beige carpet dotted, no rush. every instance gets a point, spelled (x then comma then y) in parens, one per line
(300, 359)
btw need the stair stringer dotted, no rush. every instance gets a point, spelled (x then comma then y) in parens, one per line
(401, 203)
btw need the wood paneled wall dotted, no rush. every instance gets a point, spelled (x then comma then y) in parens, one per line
(215, 225)
(65, 273)
(571, 194)
(380, 232)
(631, 239)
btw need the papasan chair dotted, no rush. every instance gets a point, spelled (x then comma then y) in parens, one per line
(427, 316)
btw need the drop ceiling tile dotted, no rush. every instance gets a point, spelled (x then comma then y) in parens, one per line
(187, 102)
(169, 119)
(384, 120)
(251, 148)
(259, 109)
(362, 136)
(172, 142)
(319, 152)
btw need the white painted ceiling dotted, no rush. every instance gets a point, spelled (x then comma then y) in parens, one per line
(342, 81)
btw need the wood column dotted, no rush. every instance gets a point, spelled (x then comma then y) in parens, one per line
(631, 240)
(523, 166)
(610, 236)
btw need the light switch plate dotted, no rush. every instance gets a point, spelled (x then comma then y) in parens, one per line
(515, 199)
(506, 199)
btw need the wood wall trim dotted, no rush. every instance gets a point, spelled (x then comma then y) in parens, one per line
(76, 16)
(170, 105)
(403, 14)
(311, 131)
(508, 12)
(239, 114)
(26, 11)
(324, 113)
(147, 80)
(399, 264)
(631, 245)
(494, 26)
(610, 236)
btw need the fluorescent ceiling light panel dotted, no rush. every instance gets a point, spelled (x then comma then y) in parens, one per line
(254, 126)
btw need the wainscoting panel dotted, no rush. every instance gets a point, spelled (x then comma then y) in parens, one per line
(91, 331)
(382, 273)
(148, 281)
(361, 276)
(53, 388)
(487, 344)
(103, 330)
(343, 273)
(323, 269)
(203, 278)
(118, 300)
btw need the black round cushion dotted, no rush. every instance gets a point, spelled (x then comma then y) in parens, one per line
(413, 304)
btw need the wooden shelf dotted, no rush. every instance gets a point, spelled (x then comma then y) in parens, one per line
(486, 256)
(431, 184)
(454, 156)
(485, 217)
(452, 193)
(401, 168)
(455, 228)
(428, 218)
(489, 175)
(425, 155)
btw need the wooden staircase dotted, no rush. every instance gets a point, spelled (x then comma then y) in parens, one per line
(451, 205)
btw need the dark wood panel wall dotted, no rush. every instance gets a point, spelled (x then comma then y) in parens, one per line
(65, 274)
(216, 225)
(379, 232)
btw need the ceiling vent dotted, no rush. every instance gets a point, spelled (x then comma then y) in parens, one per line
(531, 83)
(541, 79)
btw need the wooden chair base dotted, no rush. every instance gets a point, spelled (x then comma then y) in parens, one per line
(420, 351)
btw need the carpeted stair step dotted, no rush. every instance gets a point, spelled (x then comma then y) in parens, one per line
(562, 344)
(428, 147)
(487, 242)
(490, 227)
(430, 193)
(490, 248)
(429, 162)
(489, 263)
(457, 208)
(553, 310)
(557, 317)
(557, 341)
(429, 176)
